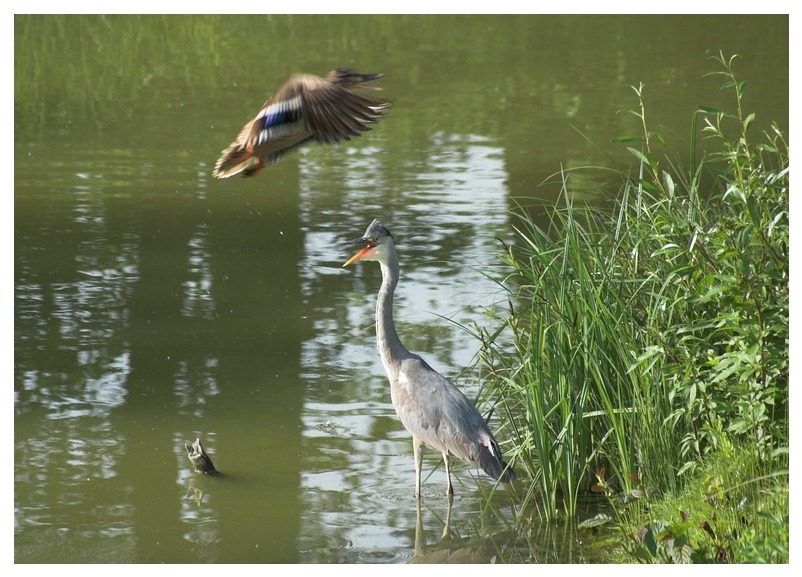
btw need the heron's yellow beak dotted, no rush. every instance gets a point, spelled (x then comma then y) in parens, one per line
(361, 254)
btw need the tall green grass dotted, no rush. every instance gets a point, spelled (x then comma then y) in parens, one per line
(641, 340)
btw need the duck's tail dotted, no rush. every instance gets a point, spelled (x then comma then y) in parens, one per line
(236, 160)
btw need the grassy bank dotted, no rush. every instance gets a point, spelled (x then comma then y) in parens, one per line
(645, 353)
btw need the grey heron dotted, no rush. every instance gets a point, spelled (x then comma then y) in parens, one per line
(305, 108)
(436, 413)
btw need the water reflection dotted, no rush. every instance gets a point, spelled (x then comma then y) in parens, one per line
(450, 547)
(65, 320)
(198, 301)
(130, 331)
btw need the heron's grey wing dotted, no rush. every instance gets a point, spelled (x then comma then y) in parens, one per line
(439, 414)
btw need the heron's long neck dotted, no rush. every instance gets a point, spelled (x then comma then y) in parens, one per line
(390, 347)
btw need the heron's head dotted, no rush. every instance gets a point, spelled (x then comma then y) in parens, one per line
(378, 244)
(353, 79)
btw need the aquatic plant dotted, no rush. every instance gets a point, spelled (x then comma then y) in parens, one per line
(642, 340)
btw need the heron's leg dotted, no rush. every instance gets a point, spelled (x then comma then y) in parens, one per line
(449, 488)
(447, 528)
(419, 543)
(417, 449)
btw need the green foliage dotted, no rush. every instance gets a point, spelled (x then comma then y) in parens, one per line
(728, 513)
(736, 333)
(640, 343)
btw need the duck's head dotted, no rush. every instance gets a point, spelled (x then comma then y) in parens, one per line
(353, 79)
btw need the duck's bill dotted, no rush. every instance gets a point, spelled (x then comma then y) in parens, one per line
(369, 78)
